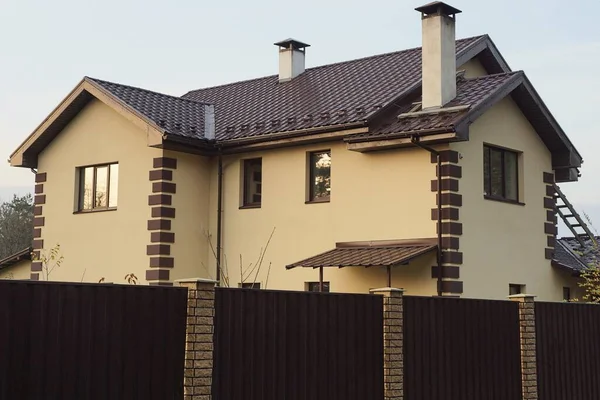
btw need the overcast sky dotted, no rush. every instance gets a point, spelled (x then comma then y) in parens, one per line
(46, 47)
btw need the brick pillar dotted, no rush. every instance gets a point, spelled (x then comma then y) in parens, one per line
(197, 380)
(393, 359)
(528, 344)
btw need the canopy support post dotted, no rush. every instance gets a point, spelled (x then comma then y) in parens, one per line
(321, 279)
(389, 276)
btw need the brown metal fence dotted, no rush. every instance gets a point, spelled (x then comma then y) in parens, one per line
(568, 351)
(81, 341)
(461, 349)
(273, 345)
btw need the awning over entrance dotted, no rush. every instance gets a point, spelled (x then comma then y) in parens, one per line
(381, 253)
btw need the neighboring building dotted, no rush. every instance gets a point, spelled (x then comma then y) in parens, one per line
(573, 259)
(16, 266)
(263, 173)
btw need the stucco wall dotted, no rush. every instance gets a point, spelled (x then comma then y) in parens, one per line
(18, 271)
(504, 243)
(384, 195)
(106, 244)
(473, 68)
(191, 226)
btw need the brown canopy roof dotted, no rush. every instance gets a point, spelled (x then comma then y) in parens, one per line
(369, 254)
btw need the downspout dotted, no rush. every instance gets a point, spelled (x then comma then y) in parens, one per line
(415, 140)
(219, 213)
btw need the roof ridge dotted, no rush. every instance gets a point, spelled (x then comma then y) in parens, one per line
(100, 81)
(478, 37)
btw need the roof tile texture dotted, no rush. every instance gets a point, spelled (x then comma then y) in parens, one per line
(174, 115)
(333, 94)
(364, 256)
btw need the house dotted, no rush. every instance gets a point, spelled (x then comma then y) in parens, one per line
(573, 258)
(16, 266)
(329, 171)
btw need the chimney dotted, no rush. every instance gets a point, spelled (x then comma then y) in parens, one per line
(291, 59)
(439, 53)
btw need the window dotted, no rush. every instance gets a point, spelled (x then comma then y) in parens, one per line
(319, 176)
(250, 285)
(314, 287)
(98, 187)
(567, 294)
(516, 289)
(252, 182)
(500, 174)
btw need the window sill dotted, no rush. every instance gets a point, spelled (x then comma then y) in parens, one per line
(501, 200)
(250, 206)
(317, 201)
(95, 211)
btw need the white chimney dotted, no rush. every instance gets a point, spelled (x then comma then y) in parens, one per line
(439, 54)
(291, 59)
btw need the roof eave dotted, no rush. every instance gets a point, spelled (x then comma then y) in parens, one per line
(27, 153)
(565, 160)
(11, 260)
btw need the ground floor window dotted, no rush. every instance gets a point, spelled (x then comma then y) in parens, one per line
(516, 288)
(567, 294)
(314, 287)
(250, 285)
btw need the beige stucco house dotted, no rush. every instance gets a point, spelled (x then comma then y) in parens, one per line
(329, 171)
(16, 266)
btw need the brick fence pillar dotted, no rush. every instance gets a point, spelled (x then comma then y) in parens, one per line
(393, 360)
(197, 380)
(528, 344)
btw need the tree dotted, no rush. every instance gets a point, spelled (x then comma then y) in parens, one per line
(16, 225)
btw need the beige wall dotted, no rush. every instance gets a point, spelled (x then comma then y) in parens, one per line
(473, 69)
(18, 271)
(504, 243)
(191, 248)
(105, 244)
(384, 195)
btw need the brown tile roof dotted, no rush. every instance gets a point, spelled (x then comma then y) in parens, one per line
(334, 94)
(175, 115)
(471, 92)
(369, 254)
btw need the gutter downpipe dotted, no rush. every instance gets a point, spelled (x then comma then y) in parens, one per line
(219, 213)
(415, 140)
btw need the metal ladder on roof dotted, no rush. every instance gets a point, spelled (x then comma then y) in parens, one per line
(571, 215)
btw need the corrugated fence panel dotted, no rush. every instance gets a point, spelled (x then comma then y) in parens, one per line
(83, 341)
(461, 349)
(273, 345)
(568, 351)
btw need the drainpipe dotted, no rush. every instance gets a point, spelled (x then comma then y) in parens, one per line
(415, 140)
(219, 213)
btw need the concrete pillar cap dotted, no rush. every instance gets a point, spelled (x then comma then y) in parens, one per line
(521, 296)
(386, 290)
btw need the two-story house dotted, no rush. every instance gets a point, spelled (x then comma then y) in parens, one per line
(325, 176)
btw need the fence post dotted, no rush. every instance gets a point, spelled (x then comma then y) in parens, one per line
(393, 359)
(197, 379)
(528, 345)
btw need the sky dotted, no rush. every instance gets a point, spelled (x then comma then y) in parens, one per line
(46, 48)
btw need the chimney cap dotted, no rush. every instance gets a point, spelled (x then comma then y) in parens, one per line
(438, 7)
(292, 43)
